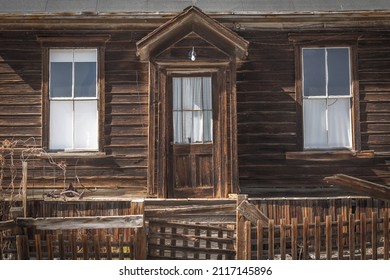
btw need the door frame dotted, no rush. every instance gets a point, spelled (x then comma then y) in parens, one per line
(160, 158)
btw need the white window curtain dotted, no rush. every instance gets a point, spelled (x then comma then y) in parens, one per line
(73, 99)
(192, 110)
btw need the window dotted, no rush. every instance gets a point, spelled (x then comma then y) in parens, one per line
(327, 99)
(192, 110)
(73, 99)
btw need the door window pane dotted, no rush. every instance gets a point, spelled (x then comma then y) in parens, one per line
(192, 110)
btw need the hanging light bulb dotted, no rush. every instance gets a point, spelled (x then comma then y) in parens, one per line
(192, 54)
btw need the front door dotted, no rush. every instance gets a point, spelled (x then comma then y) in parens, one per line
(191, 135)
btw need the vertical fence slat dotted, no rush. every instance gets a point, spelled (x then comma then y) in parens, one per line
(282, 239)
(173, 241)
(340, 237)
(328, 236)
(294, 238)
(108, 247)
(363, 237)
(185, 243)
(121, 244)
(84, 240)
(317, 237)
(305, 238)
(73, 245)
(248, 241)
(197, 244)
(271, 239)
(208, 243)
(96, 241)
(386, 235)
(374, 230)
(49, 246)
(20, 247)
(351, 239)
(61, 246)
(220, 235)
(1, 245)
(259, 240)
(38, 247)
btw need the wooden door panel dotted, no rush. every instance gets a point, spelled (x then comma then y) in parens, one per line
(182, 167)
(204, 170)
(193, 170)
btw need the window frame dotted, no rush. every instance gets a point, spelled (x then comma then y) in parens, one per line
(327, 96)
(86, 42)
(308, 42)
(73, 98)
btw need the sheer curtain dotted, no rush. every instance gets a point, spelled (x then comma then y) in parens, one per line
(327, 123)
(192, 110)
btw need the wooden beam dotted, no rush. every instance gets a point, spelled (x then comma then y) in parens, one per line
(251, 213)
(130, 221)
(374, 190)
(4, 225)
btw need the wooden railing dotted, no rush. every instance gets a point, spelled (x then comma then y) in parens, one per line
(362, 238)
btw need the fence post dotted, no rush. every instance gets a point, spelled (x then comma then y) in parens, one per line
(317, 237)
(140, 241)
(340, 237)
(294, 238)
(351, 229)
(374, 241)
(283, 239)
(259, 237)
(305, 238)
(240, 230)
(22, 247)
(328, 237)
(271, 239)
(386, 235)
(363, 231)
(248, 241)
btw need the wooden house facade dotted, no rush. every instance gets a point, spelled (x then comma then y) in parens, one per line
(172, 100)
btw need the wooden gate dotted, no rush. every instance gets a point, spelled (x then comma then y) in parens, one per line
(191, 228)
(168, 240)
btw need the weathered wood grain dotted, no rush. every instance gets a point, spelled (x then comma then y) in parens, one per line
(53, 223)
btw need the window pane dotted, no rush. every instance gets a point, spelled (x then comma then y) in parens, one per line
(85, 124)
(85, 55)
(207, 100)
(208, 126)
(177, 94)
(196, 84)
(178, 127)
(187, 127)
(315, 133)
(339, 123)
(187, 93)
(61, 125)
(314, 72)
(338, 71)
(61, 79)
(85, 79)
(197, 127)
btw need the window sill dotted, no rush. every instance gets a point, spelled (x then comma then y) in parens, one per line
(329, 155)
(74, 154)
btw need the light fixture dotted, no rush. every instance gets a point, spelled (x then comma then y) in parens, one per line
(192, 54)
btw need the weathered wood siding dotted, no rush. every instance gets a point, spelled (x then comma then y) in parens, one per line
(126, 116)
(267, 117)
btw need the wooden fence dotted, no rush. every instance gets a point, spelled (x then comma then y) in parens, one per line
(364, 238)
(169, 240)
(87, 237)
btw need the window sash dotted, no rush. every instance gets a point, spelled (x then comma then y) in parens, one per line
(73, 120)
(327, 116)
(78, 58)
